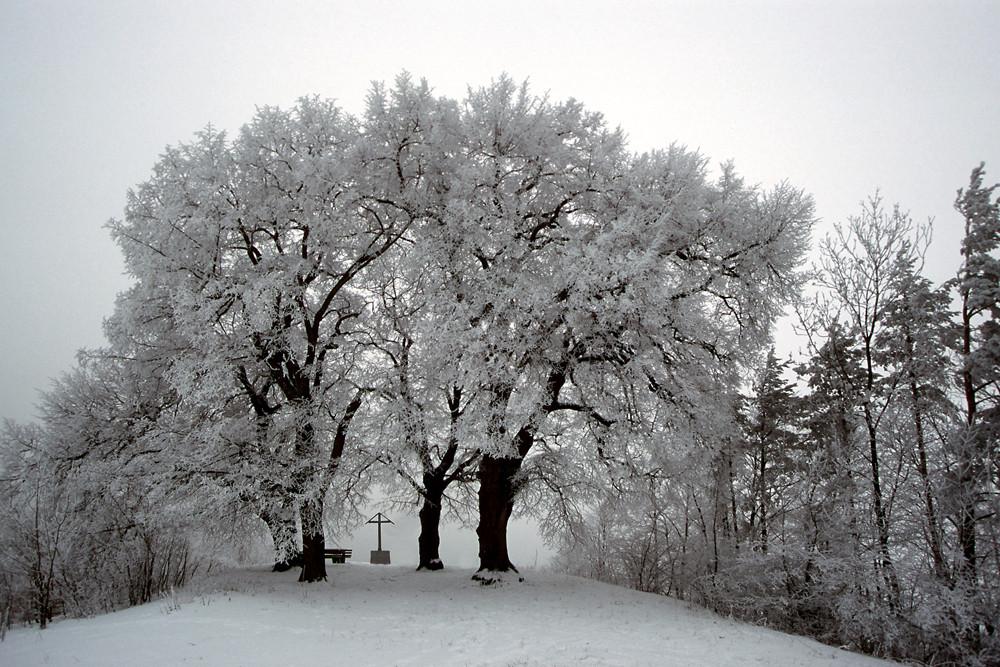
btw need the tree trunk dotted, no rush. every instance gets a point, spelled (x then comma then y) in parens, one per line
(281, 525)
(430, 537)
(313, 541)
(496, 502)
(436, 480)
(933, 523)
(311, 482)
(497, 486)
(763, 496)
(881, 518)
(967, 509)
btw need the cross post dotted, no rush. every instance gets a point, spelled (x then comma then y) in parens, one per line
(379, 519)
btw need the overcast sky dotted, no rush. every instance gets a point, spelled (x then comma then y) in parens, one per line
(840, 98)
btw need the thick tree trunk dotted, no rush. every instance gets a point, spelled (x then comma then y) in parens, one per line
(313, 541)
(497, 483)
(284, 532)
(496, 502)
(430, 537)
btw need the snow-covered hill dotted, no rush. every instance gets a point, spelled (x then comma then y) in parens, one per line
(391, 615)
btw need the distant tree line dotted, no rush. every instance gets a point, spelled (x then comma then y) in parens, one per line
(489, 306)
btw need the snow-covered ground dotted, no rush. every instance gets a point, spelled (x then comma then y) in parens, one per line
(391, 615)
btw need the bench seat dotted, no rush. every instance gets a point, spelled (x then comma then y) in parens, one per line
(337, 555)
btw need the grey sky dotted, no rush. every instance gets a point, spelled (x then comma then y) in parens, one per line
(840, 98)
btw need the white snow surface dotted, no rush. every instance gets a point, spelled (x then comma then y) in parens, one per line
(392, 615)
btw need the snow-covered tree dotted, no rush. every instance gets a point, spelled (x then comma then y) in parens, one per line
(915, 343)
(978, 287)
(864, 264)
(113, 520)
(555, 271)
(35, 524)
(571, 266)
(423, 444)
(773, 441)
(253, 250)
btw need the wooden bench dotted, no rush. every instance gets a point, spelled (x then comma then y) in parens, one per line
(337, 555)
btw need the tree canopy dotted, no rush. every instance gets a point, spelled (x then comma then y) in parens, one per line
(479, 307)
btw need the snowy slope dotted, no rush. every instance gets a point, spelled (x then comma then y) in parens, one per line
(391, 615)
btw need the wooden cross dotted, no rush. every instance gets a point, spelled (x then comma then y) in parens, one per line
(379, 519)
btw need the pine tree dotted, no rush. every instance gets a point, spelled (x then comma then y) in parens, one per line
(915, 343)
(978, 287)
(773, 437)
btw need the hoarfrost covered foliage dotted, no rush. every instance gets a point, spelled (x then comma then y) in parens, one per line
(440, 293)
(97, 516)
(853, 497)
(506, 247)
